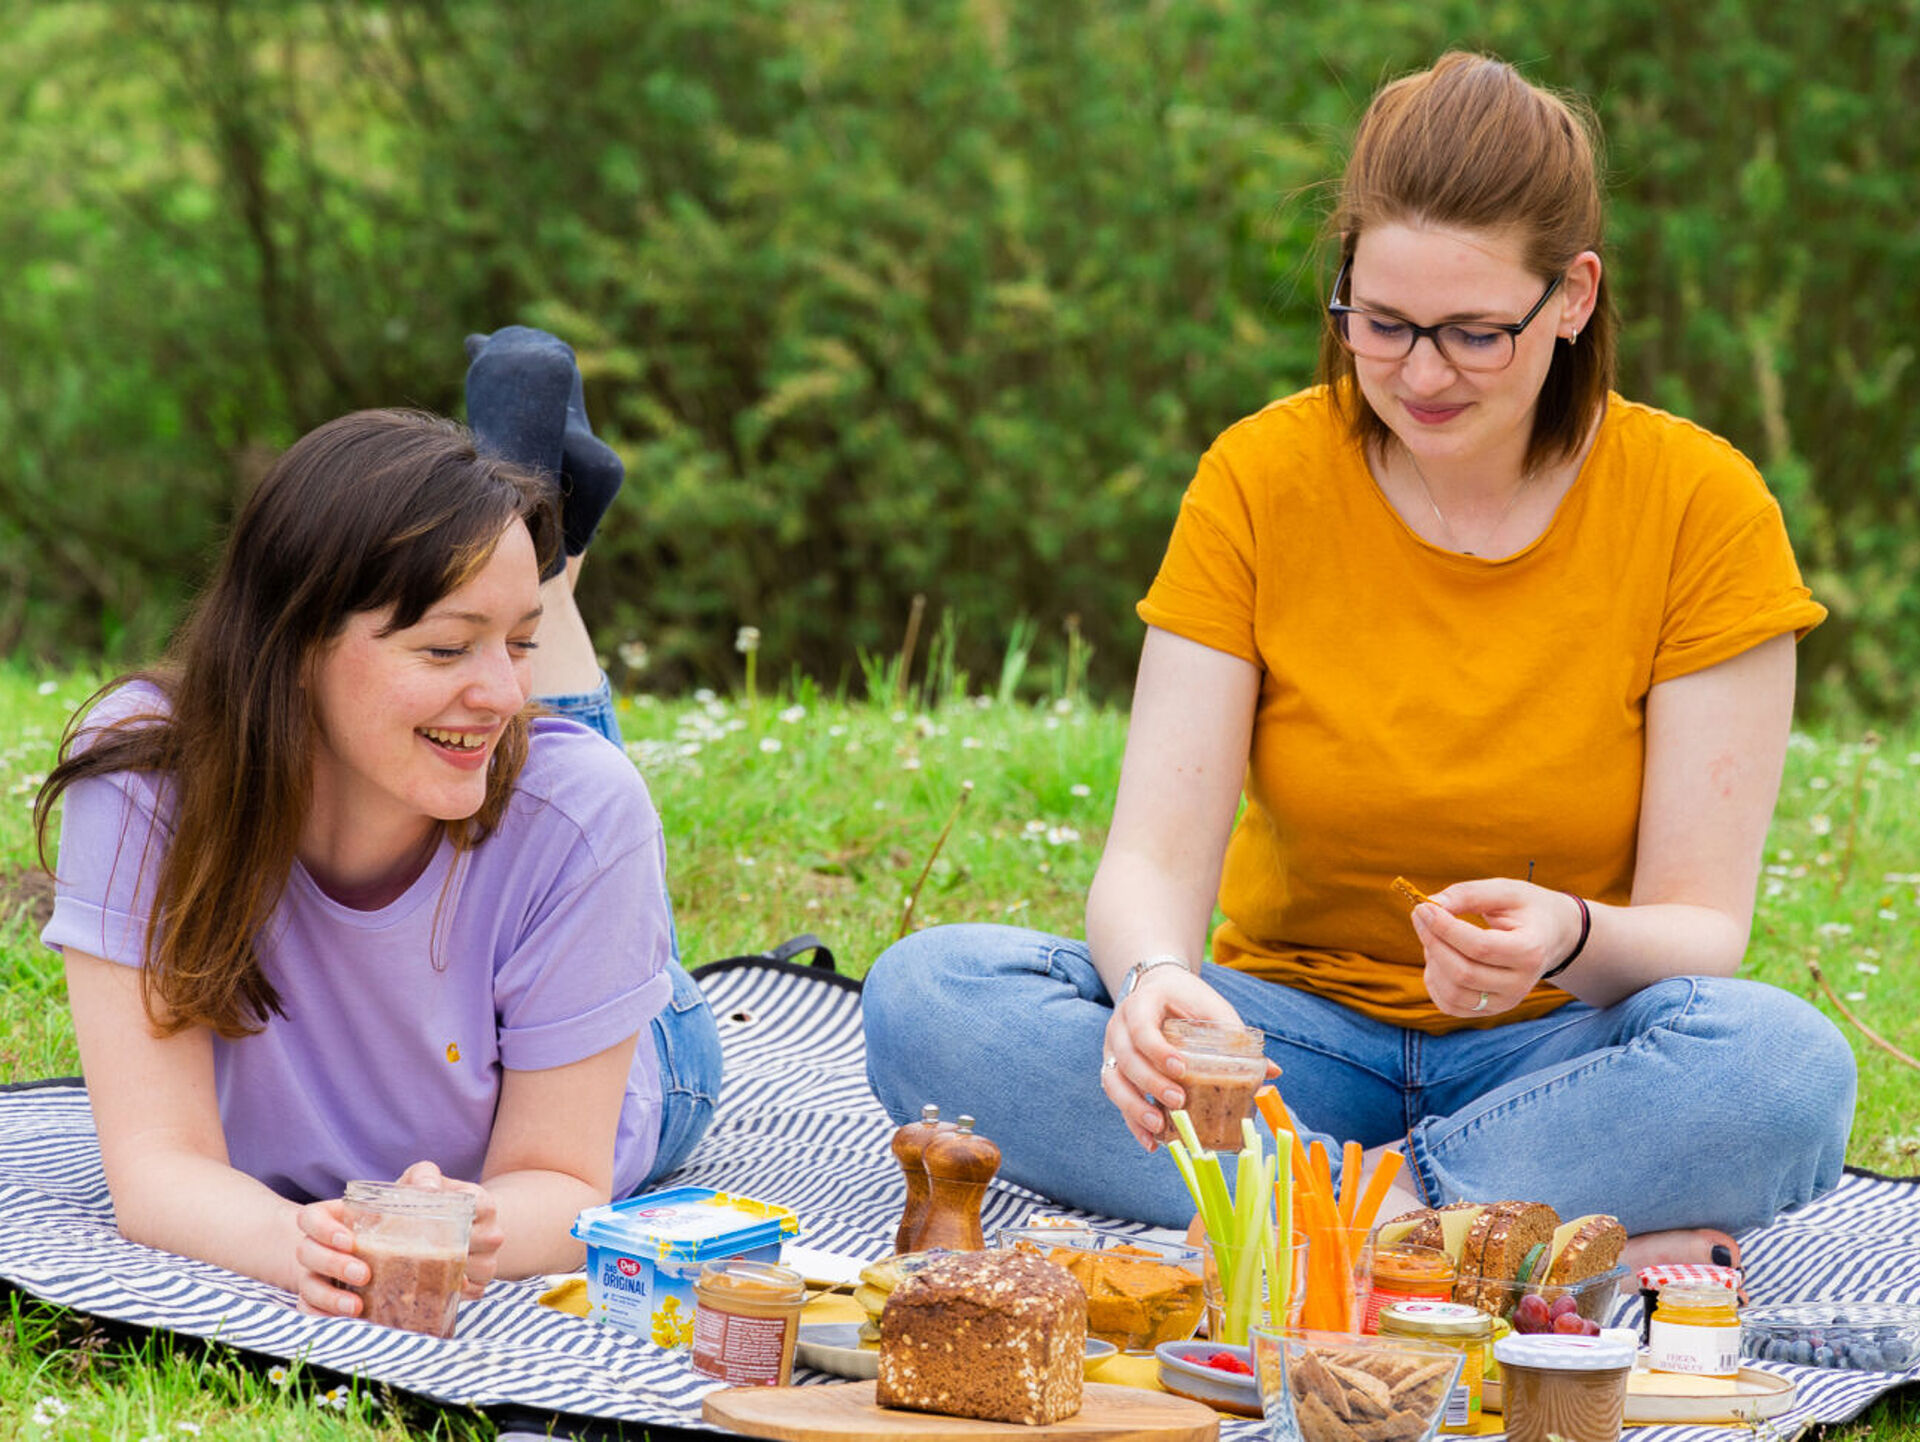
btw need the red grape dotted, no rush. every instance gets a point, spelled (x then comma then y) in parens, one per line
(1570, 1324)
(1531, 1314)
(1562, 1305)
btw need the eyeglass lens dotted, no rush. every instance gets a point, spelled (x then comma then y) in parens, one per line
(1375, 336)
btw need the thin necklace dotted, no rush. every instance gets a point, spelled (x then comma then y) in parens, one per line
(1446, 525)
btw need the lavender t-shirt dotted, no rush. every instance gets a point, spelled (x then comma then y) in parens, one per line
(542, 946)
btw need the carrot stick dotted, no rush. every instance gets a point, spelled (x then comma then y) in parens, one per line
(1350, 1165)
(1322, 1171)
(1273, 1111)
(1375, 1196)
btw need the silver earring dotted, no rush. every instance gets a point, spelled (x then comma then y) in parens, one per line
(1574, 338)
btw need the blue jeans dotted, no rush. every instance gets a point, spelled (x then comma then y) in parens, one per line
(592, 709)
(1699, 1101)
(687, 1042)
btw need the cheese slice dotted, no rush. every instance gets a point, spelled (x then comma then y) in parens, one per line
(1680, 1384)
(1391, 1232)
(1454, 1225)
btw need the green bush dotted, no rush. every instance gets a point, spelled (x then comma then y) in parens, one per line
(884, 298)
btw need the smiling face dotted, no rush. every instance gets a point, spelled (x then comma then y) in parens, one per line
(408, 720)
(1433, 274)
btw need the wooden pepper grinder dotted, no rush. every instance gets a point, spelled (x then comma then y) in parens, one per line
(959, 1165)
(909, 1143)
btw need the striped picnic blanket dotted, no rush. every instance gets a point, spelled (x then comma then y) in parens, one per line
(796, 1125)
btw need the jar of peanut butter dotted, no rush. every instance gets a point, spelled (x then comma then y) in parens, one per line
(1573, 1388)
(746, 1317)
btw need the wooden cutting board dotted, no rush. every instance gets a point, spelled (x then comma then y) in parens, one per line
(847, 1409)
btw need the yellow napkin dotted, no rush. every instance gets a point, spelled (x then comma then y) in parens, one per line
(569, 1297)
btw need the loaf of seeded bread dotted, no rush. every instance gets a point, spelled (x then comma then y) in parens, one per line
(1001, 1336)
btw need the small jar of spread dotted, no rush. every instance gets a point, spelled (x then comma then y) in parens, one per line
(746, 1317)
(414, 1242)
(1225, 1066)
(1695, 1329)
(1574, 1388)
(1401, 1273)
(1466, 1329)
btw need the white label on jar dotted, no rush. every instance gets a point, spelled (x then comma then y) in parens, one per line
(1459, 1413)
(1700, 1351)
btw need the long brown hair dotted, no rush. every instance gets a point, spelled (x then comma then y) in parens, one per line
(1472, 146)
(376, 510)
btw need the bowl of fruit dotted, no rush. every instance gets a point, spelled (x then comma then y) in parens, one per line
(1211, 1372)
(1578, 1309)
(1853, 1336)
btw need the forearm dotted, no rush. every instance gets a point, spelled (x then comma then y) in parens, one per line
(537, 1211)
(1631, 947)
(1140, 906)
(195, 1206)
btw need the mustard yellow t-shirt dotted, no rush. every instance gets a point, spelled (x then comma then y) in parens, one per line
(1445, 716)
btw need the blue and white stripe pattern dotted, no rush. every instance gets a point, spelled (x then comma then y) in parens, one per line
(796, 1125)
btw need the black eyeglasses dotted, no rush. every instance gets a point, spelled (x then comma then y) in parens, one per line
(1467, 345)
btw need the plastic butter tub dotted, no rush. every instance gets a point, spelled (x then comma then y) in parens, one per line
(644, 1254)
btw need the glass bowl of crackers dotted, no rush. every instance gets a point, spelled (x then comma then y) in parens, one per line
(1344, 1387)
(1140, 1292)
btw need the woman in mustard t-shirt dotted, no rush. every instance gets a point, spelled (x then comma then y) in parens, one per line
(1460, 613)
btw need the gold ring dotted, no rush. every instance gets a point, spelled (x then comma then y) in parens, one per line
(1481, 1005)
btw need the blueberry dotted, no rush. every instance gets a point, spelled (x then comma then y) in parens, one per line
(1823, 1356)
(1802, 1353)
(1867, 1358)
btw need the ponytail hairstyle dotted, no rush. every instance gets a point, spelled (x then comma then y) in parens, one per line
(383, 510)
(1471, 146)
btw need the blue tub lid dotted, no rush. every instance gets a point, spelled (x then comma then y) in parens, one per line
(686, 1224)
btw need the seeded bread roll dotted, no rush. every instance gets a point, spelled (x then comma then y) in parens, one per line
(1001, 1336)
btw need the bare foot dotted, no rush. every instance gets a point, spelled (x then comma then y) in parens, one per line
(1701, 1245)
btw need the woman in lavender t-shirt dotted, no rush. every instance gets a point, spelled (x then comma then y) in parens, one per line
(336, 902)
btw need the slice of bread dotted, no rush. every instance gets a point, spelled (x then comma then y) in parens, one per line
(1498, 1241)
(1586, 1247)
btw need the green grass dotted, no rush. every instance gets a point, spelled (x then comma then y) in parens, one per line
(806, 812)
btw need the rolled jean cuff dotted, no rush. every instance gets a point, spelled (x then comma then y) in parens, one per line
(592, 709)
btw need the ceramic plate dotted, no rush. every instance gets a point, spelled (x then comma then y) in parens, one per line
(1752, 1394)
(834, 1347)
(1183, 1372)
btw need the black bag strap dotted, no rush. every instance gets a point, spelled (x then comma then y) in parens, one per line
(781, 958)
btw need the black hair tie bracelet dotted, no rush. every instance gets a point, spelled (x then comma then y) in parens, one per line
(1586, 925)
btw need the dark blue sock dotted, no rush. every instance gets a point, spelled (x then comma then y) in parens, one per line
(525, 402)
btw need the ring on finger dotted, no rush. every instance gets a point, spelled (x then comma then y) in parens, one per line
(1481, 1005)
(1110, 1064)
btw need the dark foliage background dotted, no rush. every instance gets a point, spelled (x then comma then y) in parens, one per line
(884, 297)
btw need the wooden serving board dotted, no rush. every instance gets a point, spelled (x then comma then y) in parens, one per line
(847, 1409)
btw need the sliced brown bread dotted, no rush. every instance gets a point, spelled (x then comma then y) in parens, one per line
(1497, 1242)
(1586, 1247)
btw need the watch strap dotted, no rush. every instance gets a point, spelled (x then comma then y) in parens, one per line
(1140, 968)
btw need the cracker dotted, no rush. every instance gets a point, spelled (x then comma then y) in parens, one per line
(1318, 1422)
(1408, 892)
(1367, 1395)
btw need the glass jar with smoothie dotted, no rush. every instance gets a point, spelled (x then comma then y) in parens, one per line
(414, 1242)
(1225, 1066)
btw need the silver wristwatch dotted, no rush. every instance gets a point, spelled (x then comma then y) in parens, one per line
(1140, 968)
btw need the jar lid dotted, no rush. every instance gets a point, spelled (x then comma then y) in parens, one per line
(1435, 1319)
(1550, 1351)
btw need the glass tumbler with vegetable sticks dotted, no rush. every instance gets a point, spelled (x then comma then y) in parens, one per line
(1239, 1226)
